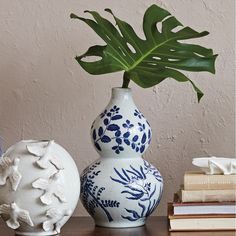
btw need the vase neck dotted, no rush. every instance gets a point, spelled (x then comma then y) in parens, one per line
(121, 93)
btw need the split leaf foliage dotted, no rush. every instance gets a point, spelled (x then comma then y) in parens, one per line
(147, 62)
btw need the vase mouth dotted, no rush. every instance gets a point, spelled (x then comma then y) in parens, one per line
(36, 140)
(121, 89)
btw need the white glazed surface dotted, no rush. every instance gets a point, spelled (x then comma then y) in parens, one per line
(28, 198)
(121, 189)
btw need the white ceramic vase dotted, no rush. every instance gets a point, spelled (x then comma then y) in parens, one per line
(39, 187)
(121, 189)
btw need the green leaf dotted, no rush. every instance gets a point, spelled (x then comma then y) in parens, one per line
(147, 62)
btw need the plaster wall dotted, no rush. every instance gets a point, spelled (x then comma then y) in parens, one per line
(44, 94)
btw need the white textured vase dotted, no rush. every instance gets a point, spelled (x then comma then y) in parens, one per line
(39, 187)
(121, 189)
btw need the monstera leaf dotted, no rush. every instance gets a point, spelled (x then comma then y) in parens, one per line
(147, 61)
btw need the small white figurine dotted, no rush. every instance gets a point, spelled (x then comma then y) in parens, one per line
(16, 215)
(9, 169)
(51, 187)
(56, 219)
(216, 165)
(46, 157)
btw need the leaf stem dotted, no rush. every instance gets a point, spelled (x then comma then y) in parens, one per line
(126, 81)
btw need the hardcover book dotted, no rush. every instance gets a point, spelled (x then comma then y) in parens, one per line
(205, 208)
(196, 180)
(208, 195)
(200, 222)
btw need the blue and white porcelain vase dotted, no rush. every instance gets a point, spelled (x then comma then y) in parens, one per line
(120, 189)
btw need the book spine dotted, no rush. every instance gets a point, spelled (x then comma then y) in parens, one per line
(203, 224)
(211, 182)
(208, 195)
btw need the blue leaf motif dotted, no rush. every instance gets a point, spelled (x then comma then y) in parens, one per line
(135, 138)
(94, 134)
(100, 131)
(98, 146)
(138, 173)
(134, 213)
(120, 175)
(117, 133)
(106, 121)
(143, 208)
(133, 145)
(129, 218)
(144, 138)
(103, 114)
(133, 188)
(113, 127)
(105, 139)
(126, 175)
(135, 196)
(142, 148)
(127, 141)
(119, 140)
(128, 124)
(114, 147)
(116, 117)
(149, 134)
(126, 134)
(153, 192)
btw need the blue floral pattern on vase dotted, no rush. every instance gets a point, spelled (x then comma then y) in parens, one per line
(138, 114)
(91, 194)
(137, 187)
(122, 133)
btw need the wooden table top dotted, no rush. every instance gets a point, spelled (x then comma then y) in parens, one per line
(155, 226)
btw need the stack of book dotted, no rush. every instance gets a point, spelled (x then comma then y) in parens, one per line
(206, 202)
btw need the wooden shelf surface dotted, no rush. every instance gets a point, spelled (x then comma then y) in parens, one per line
(155, 226)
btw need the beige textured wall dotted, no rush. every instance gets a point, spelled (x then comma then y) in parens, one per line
(45, 94)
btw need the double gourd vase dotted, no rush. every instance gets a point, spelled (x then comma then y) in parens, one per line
(121, 189)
